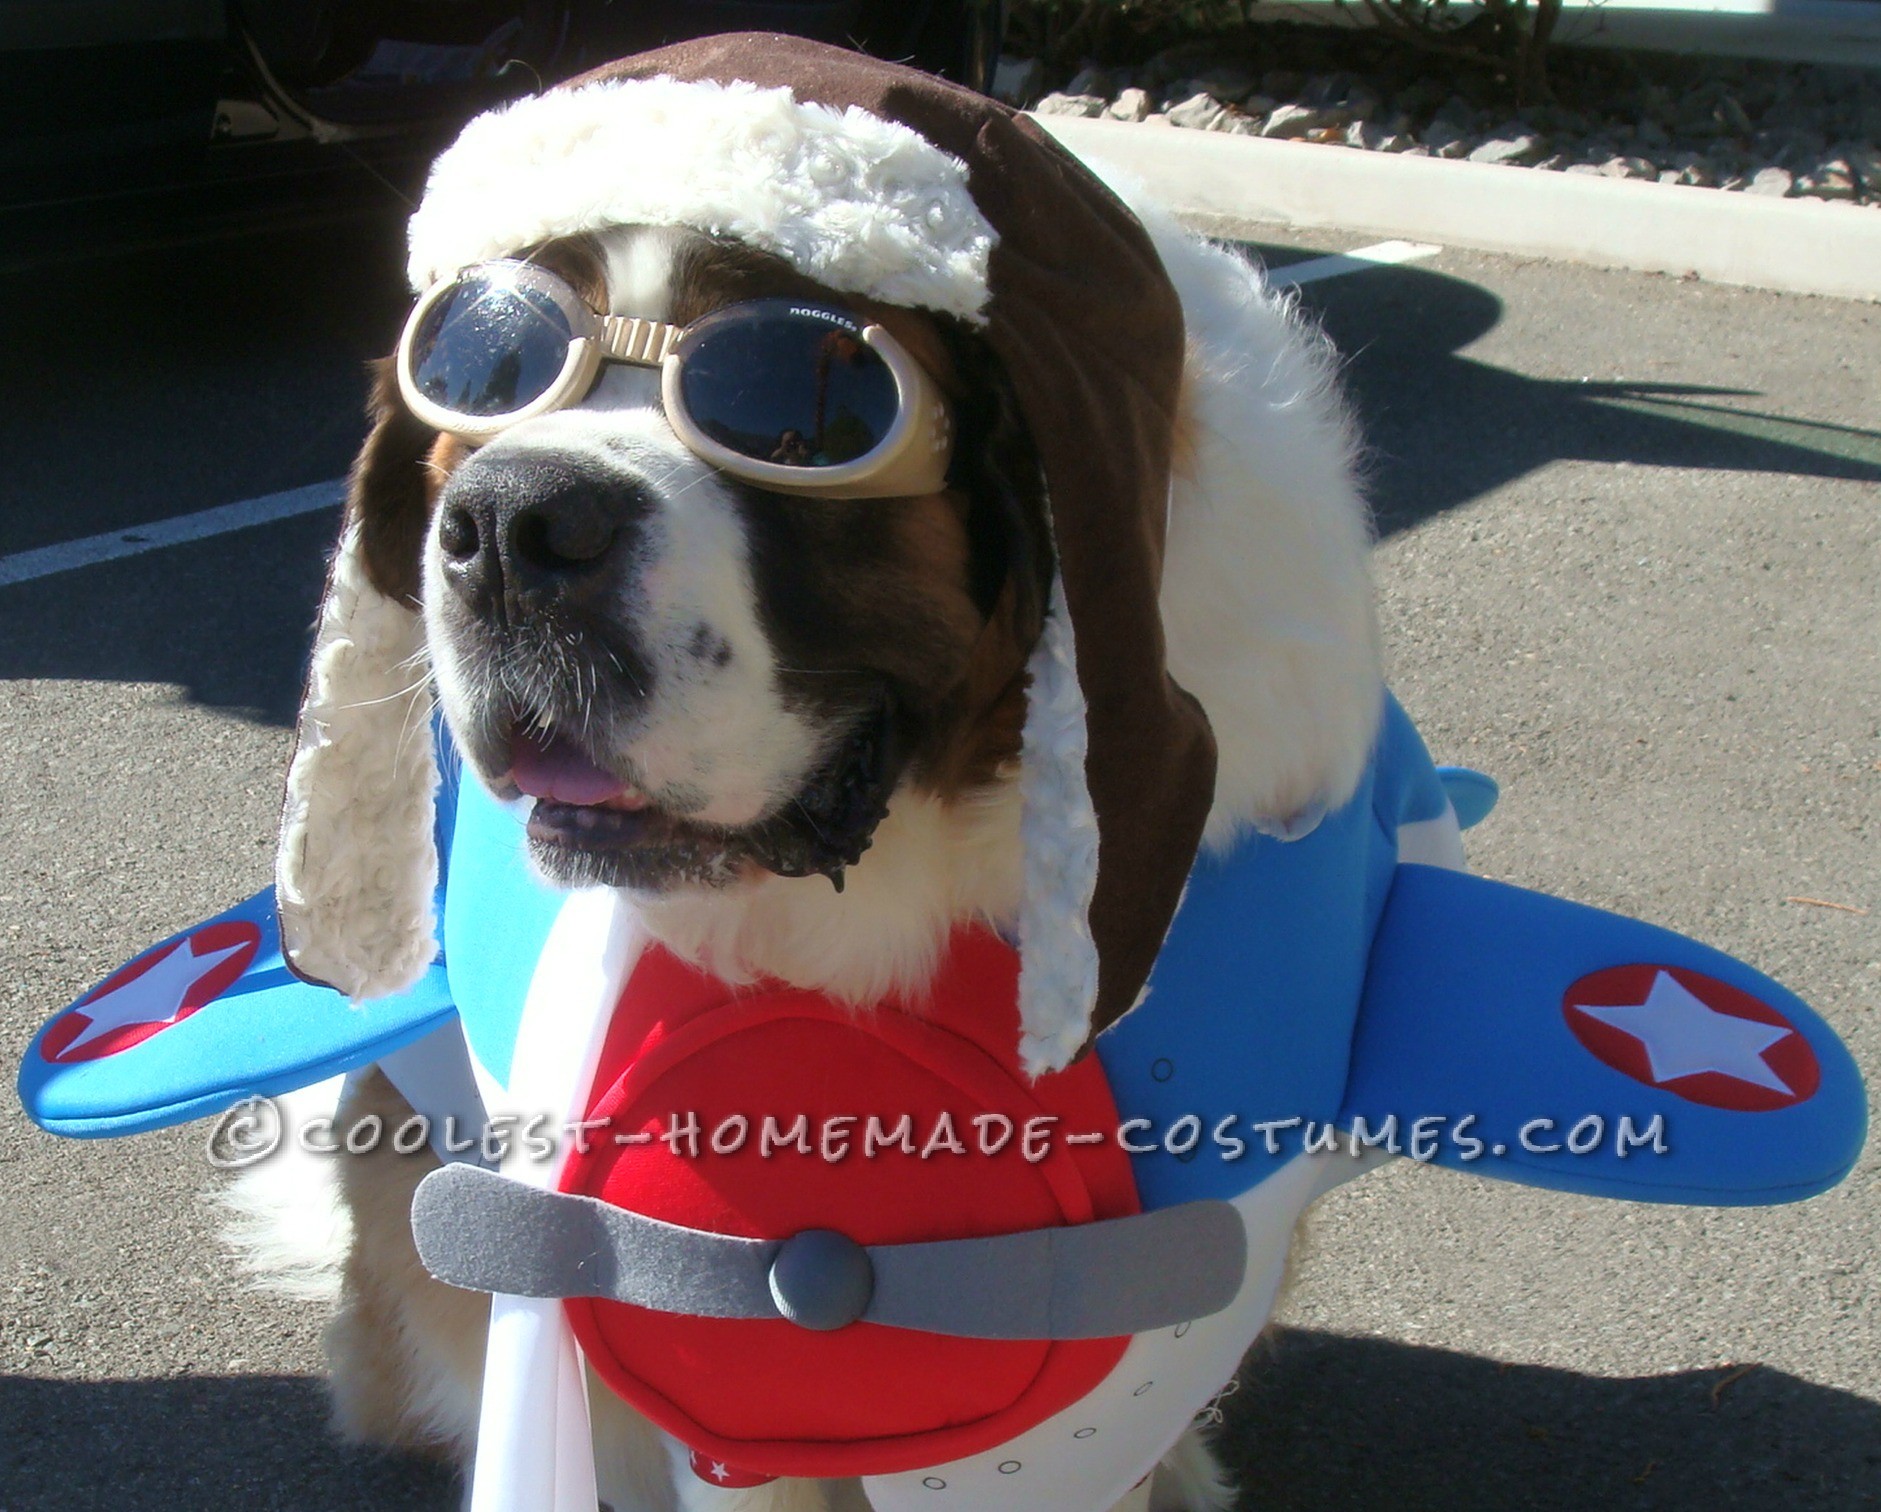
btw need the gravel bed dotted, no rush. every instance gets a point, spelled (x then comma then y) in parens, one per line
(1783, 130)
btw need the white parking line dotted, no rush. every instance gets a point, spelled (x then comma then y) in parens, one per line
(1355, 261)
(47, 561)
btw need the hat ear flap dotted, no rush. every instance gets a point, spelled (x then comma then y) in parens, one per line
(1058, 958)
(357, 868)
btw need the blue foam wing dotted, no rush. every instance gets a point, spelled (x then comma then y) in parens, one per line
(202, 1020)
(1472, 794)
(1488, 1000)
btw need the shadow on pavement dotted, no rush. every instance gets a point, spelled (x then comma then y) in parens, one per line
(230, 620)
(1324, 1423)
(1441, 429)
(177, 379)
(174, 380)
(194, 1442)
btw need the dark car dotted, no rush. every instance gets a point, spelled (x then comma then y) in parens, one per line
(125, 120)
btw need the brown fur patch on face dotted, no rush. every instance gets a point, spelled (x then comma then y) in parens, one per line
(447, 454)
(578, 262)
(999, 489)
(988, 709)
(390, 490)
(938, 599)
(710, 272)
(921, 335)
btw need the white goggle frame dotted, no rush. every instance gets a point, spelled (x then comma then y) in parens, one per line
(911, 458)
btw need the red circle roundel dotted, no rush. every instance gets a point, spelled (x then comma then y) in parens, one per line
(766, 1396)
(158, 989)
(1693, 1036)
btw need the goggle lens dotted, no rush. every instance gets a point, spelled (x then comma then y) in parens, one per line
(789, 386)
(488, 347)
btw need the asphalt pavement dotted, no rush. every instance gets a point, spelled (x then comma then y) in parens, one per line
(1628, 564)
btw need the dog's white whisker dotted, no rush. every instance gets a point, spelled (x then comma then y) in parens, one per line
(404, 692)
(416, 717)
(808, 817)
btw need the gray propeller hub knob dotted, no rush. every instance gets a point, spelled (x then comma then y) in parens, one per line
(822, 1279)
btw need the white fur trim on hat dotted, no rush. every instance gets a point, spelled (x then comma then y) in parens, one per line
(1058, 830)
(863, 205)
(358, 867)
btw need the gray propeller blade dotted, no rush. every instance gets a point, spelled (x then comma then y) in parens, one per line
(485, 1232)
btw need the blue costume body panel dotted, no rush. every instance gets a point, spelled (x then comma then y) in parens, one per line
(1252, 1002)
(1304, 984)
(496, 918)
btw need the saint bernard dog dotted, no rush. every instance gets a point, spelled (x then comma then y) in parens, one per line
(782, 684)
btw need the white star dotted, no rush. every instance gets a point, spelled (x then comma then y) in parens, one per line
(154, 997)
(1684, 1035)
(720, 1472)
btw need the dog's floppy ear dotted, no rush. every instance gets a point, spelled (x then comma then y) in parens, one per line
(357, 866)
(390, 491)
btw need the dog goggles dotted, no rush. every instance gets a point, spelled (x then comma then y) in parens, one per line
(795, 396)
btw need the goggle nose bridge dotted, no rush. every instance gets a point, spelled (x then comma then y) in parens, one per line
(642, 343)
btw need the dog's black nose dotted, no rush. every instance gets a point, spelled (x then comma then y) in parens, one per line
(532, 528)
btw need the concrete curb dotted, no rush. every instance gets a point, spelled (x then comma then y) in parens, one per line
(1795, 246)
(1842, 32)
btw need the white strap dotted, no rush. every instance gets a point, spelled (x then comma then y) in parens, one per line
(535, 1447)
(434, 1075)
(533, 1443)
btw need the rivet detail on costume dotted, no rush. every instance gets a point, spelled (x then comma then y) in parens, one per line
(1084, 1433)
(1010, 1467)
(1162, 1068)
(1182, 1328)
(1143, 1388)
(821, 1279)
(935, 1483)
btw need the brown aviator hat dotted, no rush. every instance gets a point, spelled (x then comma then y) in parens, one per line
(875, 180)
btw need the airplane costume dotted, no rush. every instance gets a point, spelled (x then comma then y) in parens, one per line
(934, 1245)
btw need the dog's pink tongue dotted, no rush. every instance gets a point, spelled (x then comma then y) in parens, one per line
(549, 766)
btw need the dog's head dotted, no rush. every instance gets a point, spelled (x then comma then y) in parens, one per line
(702, 682)
(697, 678)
